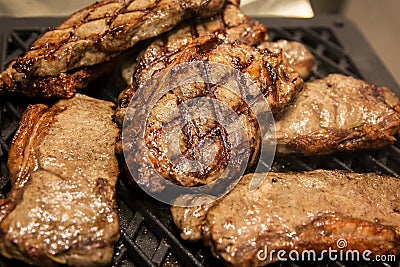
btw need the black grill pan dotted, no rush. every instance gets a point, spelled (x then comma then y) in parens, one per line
(148, 235)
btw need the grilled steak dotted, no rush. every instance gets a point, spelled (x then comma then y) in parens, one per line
(63, 169)
(230, 24)
(299, 57)
(276, 83)
(338, 113)
(63, 85)
(101, 31)
(297, 211)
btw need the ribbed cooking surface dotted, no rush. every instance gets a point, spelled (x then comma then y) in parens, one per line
(148, 235)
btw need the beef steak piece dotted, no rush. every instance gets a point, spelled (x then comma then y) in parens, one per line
(338, 113)
(299, 57)
(229, 24)
(63, 85)
(63, 170)
(104, 29)
(275, 84)
(296, 211)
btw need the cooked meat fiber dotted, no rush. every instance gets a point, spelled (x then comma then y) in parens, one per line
(297, 211)
(230, 24)
(67, 84)
(299, 57)
(101, 31)
(63, 85)
(277, 83)
(338, 113)
(65, 60)
(63, 170)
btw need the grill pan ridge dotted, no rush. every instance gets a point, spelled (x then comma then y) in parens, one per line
(148, 235)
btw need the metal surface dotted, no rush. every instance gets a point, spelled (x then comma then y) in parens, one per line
(148, 235)
(277, 8)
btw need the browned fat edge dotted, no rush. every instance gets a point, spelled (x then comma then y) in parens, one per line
(336, 226)
(33, 126)
(26, 64)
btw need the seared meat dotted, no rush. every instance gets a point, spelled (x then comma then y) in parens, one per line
(276, 84)
(338, 113)
(230, 24)
(63, 85)
(66, 85)
(63, 169)
(299, 57)
(101, 31)
(66, 59)
(297, 211)
(189, 213)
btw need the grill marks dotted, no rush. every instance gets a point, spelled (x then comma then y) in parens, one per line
(177, 40)
(64, 85)
(193, 32)
(195, 134)
(194, 142)
(117, 26)
(323, 207)
(80, 50)
(298, 56)
(206, 139)
(338, 113)
(240, 28)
